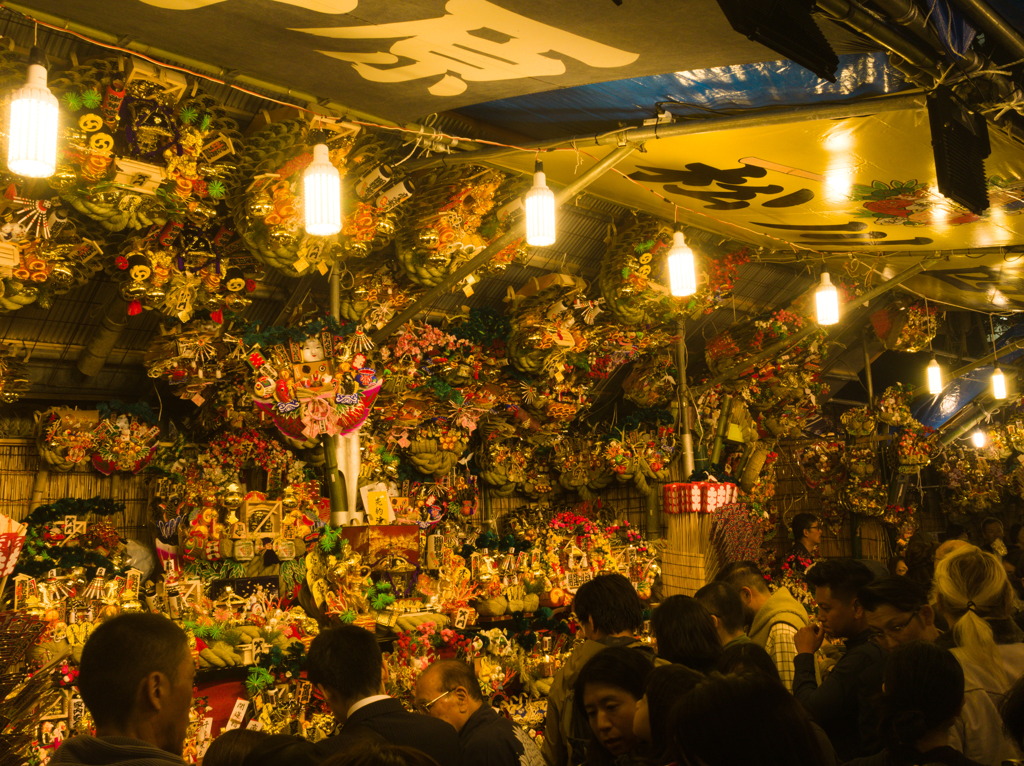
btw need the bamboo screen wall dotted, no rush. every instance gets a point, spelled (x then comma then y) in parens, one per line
(23, 486)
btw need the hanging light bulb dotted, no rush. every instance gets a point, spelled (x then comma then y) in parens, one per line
(321, 188)
(979, 439)
(32, 127)
(826, 299)
(682, 267)
(934, 372)
(540, 211)
(998, 384)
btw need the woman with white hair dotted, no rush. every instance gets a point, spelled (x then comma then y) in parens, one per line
(974, 595)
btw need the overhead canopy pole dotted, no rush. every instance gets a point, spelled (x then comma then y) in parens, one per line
(748, 119)
(515, 231)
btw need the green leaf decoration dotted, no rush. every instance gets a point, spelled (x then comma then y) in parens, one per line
(329, 539)
(258, 680)
(188, 114)
(205, 124)
(91, 99)
(348, 616)
(73, 101)
(216, 189)
(382, 601)
(642, 247)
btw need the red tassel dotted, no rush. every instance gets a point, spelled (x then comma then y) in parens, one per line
(217, 316)
(134, 308)
(11, 191)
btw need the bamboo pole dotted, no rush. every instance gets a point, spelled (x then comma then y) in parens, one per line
(329, 444)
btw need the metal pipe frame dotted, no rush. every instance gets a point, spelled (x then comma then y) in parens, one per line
(514, 232)
(751, 118)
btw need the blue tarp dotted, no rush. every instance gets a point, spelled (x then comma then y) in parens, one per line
(589, 108)
(934, 411)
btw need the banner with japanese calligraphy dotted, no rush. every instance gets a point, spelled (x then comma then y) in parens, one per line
(404, 60)
(863, 185)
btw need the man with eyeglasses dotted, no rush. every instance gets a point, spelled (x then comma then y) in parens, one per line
(345, 664)
(898, 612)
(449, 691)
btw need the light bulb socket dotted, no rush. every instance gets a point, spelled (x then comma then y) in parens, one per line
(538, 166)
(37, 56)
(316, 136)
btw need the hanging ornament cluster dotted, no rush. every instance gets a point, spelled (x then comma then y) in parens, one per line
(907, 326)
(180, 268)
(625, 278)
(43, 252)
(116, 438)
(316, 381)
(268, 206)
(193, 357)
(14, 382)
(452, 219)
(371, 295)
(142, 148)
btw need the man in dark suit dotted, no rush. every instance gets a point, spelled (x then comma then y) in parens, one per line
(346, 665)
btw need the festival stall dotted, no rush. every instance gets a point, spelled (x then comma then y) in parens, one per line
(425, 417)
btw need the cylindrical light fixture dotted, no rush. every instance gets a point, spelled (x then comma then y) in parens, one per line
(32, 123)
(540, 210)
(826, 301)
(998, 384)
(934, 377)
(979, 439)
(321, 189)
(682, 267)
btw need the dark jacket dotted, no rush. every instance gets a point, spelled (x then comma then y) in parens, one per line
(846, 705)
(112, 751)
(387, 721)
(489, 739)
(907, 757)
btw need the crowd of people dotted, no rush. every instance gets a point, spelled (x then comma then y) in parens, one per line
(894, 670)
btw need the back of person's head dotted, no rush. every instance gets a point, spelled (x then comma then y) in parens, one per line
(989, 522)
(666, 685)
(800, 524)
(898, 592)
(971, 589)
(371, 752)
(617, 666)
(119, 654)
(233, 746)
(748, 657)
(954, 532)
(743, 574)
(274, 750)
(776, 730)
(611, 601)
(686, 633)
(346, 659)
(455, 673)
(723, 601)
(1012, 711)
(923, 691)
(843, 577)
